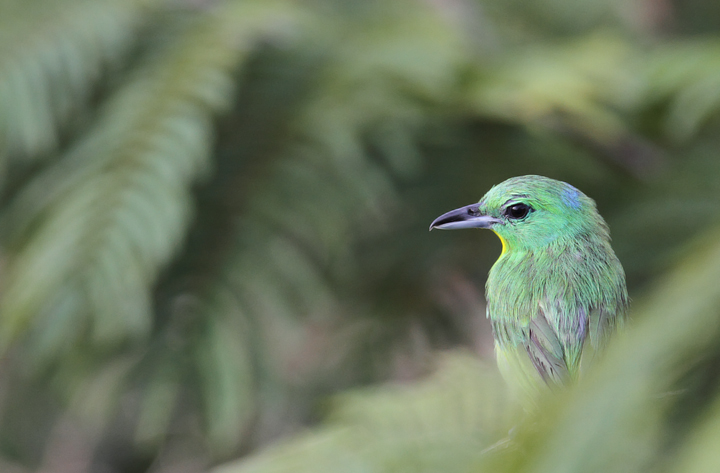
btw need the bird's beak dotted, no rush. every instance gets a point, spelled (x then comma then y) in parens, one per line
(464, 217)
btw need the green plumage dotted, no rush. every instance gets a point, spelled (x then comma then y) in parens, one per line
(558, 290)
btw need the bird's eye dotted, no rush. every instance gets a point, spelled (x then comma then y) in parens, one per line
(517, 211)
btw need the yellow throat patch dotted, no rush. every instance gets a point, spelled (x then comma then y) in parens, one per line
(504, 243)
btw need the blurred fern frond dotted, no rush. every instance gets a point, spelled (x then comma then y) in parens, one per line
(51, 56)
(106, 218)
(580, 81)
(456, 413)
(687, 74)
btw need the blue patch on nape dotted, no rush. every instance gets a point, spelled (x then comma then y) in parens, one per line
(571, 197)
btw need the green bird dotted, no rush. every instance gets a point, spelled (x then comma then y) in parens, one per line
(557, 291)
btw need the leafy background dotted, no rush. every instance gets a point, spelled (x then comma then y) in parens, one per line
(213, 231)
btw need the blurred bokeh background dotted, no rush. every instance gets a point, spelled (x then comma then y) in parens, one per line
(213, 231)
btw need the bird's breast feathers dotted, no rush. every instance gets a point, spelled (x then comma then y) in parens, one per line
(546, 306)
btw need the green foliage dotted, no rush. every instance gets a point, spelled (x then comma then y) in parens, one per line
(455, 414)
(51, 53)
(214, 215)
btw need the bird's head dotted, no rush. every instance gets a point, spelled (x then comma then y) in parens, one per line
(529, 212)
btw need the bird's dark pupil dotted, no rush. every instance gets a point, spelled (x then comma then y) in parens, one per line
(518, 211)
